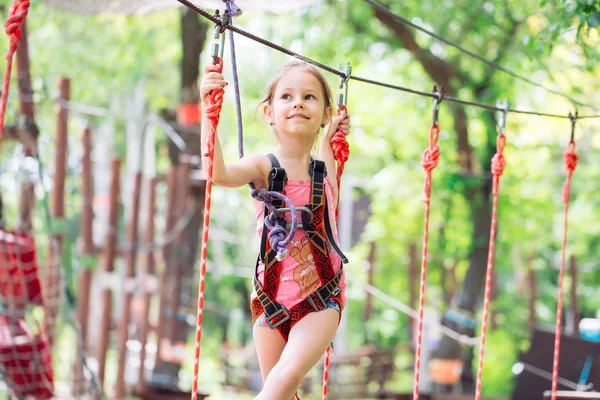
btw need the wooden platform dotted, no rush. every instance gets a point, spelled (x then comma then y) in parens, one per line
(166, 394)
(567, 395)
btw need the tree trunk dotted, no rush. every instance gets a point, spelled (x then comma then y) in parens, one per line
(193, 37)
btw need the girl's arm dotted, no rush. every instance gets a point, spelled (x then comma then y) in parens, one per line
(326, 151)
(235, 174)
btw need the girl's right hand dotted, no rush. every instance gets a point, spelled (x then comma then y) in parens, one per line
(211, 81)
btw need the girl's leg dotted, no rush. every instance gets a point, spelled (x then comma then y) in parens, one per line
(269, 345)
(307, 343)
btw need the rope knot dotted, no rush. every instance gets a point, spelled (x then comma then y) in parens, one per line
(570, 164)
(340, 146)
(430, 159)
(16, 17)
(277, 236)
(431, 155)
(498, 164)
(571, 158)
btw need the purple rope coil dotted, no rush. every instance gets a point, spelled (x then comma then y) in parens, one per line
(279, 237)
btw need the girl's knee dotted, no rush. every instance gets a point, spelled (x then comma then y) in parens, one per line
(290, 375)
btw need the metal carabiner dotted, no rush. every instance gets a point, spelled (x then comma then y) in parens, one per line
(573, 118)
(502, 115)
(343, 86)
(437, 99)
(218, 45)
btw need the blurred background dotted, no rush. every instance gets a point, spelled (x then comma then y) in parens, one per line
(100, 179)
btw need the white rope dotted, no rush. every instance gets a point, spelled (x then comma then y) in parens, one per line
(459, 337)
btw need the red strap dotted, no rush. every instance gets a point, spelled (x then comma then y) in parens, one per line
(570, 165)
(16, 17)
(212, 110)
(429, 161)
(497, 170)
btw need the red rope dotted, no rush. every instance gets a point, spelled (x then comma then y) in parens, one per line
(16, 17)
(341, 152)
(326, 372)
(570, 164)
(497, 170)
(212, 110)
(429, 161)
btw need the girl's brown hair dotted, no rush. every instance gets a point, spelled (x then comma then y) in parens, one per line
(305, 67)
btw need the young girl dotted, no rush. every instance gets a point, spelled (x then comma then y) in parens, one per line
(297, 311)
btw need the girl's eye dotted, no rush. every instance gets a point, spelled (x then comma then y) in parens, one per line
(309, 97)
(285, 96)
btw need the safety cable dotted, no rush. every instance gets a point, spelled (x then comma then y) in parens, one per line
(337, 72)
(472, 54)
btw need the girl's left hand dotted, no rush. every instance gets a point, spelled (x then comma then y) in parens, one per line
(338, 123)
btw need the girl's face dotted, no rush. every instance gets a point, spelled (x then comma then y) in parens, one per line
(298, 105)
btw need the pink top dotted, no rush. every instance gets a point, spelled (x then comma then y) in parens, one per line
(299, 277)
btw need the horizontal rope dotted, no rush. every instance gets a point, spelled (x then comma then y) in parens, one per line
(459, 337)
(474, 55)
(339, 73)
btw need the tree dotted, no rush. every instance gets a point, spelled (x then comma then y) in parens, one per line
(183, 256)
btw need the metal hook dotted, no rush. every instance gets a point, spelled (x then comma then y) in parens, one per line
(502, 115)
(343, 96)
(573, 118)
(219, 45)
(437, 99)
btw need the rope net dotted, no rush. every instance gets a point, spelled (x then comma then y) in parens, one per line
(25, 356)
(147, 6)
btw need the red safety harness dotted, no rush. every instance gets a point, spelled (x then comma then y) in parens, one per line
(319, 232)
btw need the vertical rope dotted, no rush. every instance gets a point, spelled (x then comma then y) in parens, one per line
(326, 372)
(570, 164)
(212, 110)
(16, 18)
(429, 161)
(341, 152)
(497, 170)
(233, 9)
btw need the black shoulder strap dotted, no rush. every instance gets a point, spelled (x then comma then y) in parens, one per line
(318, 197)
(277, 178)
(311, 167)
(274, 160)
(317, 170)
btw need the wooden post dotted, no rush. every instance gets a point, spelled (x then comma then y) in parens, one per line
(52, 278)
(127, 287)
(148, 273)
(87, 251)
(108, 267)
(183, 185)
(164, 289)
(27, 130)
(573, 303)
